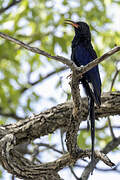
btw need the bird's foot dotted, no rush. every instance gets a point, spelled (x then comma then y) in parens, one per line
(69, 76)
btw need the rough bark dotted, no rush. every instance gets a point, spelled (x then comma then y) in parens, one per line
(67, 115)
(43, 124)
(57, 117)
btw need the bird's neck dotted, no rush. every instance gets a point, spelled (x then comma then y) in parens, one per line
(81, 39)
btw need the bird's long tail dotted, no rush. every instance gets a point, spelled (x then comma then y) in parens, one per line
(92, 122)
(91, 117)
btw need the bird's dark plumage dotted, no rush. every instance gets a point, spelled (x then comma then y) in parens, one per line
(82, 54)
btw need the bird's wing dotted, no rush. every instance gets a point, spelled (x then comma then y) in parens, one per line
(94, 74)
(83, 56)
(94, 78)
(92, 52)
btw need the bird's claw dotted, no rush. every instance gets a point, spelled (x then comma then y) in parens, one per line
(69, 76)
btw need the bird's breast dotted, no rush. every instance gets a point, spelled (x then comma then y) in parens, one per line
(80, 55)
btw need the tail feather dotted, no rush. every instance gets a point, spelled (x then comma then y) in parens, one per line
(92, 121)
(91, 115)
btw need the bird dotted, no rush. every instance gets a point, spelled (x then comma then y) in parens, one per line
(82, 54)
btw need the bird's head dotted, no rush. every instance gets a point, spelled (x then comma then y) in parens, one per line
(81, 28)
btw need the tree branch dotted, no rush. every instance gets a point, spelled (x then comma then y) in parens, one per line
(58, 117)
(43, 124)
(114, 78)
(42, 78)
(16, 164)
(69, 63)
(93, 63)
(38, 51)
(109, 147)
(75, 120)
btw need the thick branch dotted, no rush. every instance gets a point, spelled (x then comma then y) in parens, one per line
(16, 164)
(43, 124)
(75, 120)
(57, 117)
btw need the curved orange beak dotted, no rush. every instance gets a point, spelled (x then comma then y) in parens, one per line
(74, 24)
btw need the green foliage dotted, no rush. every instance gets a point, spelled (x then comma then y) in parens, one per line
(41, 23)
(0, 174)
(82, 139)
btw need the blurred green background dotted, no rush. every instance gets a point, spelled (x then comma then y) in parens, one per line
(30, 83)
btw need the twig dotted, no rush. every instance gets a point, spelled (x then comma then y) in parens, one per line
(114, 78)
(109, 121)
(100, 128)
(98, 60)
(72, 171)
(10, 5)
(50, 147)
(101, 169)
(42, 78)
(111, 128)
(12, 115)
(65, 61)
(109, 147)
(61, 59)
